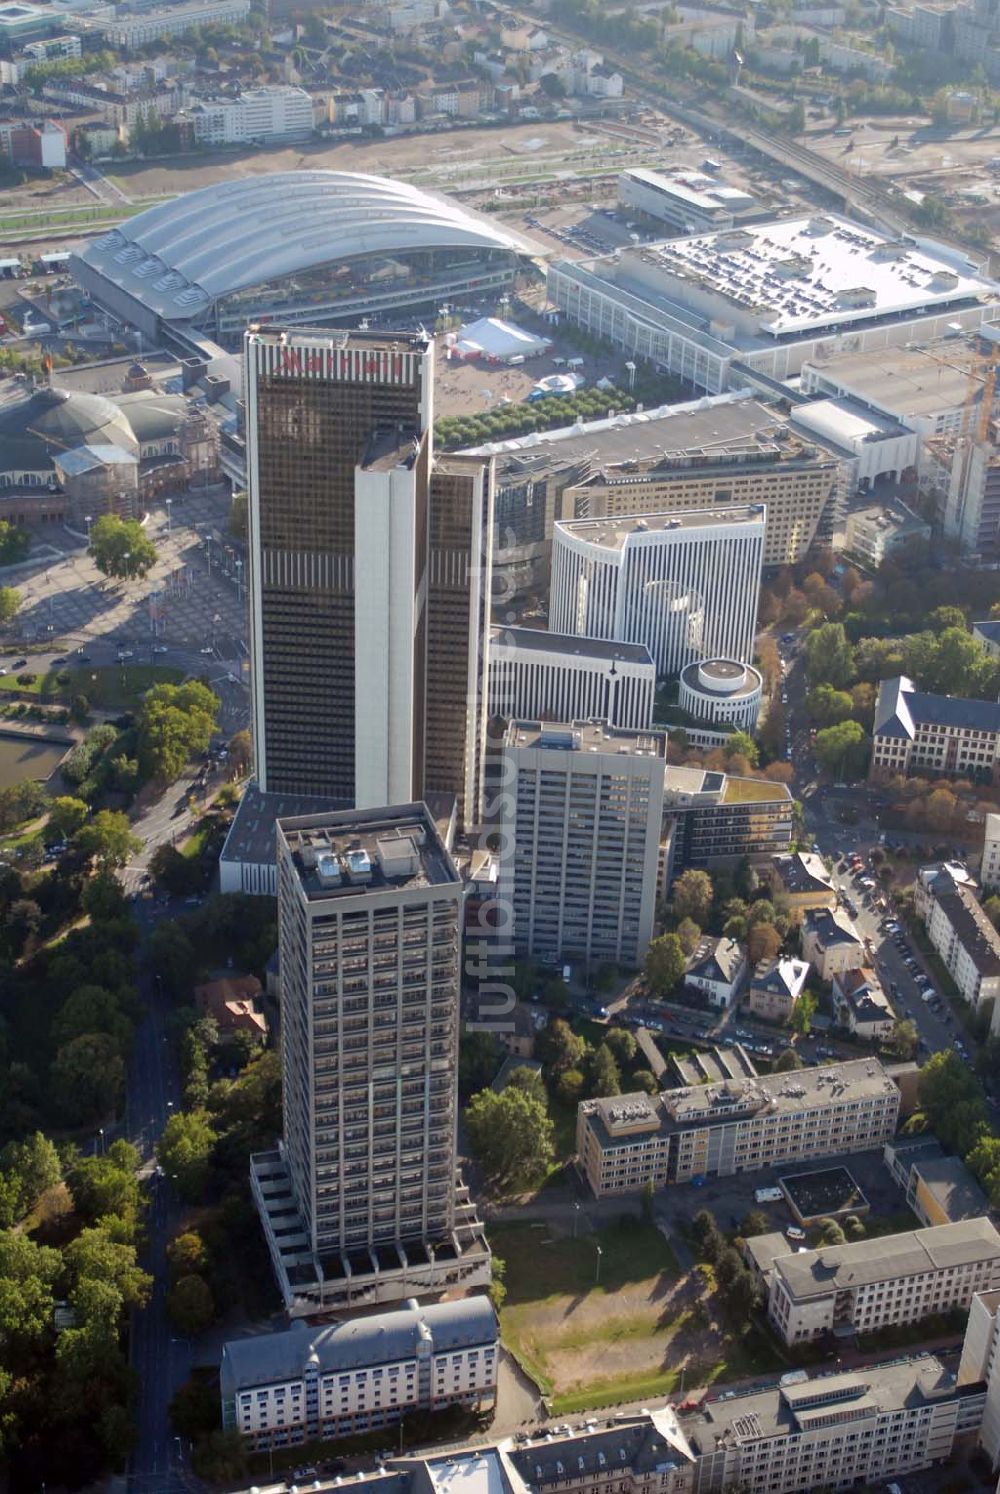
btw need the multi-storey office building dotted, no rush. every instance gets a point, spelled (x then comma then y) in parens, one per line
(861, 1428)
(870, 1284)
(937, 734)
(361, 1203)
(685, 584)
(718, 1130)
(369, 573)
(280, 1389)
(715, 819)
(539, 676)
(833, 1431)
(314, 402)
(460, 561)
(581, 823)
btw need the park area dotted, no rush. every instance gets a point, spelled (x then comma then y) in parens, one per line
(609, 1317)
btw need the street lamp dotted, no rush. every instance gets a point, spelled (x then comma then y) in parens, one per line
(88, 520)
(239, 580)
(169, 502)
(597, 1272)
(576, 1217)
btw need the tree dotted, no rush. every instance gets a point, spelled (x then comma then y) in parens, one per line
(28, 1273)
(184, 1152)
(88, 1075)
(904, 1038)
(753, 1223)
(108, 839)
(27, 1169)
(92, 1009)
(622, 1046)
(692, 897)
(15, 543)
(104, 898)
(830, 1233)
(570, 1086)
(708, 1236)
(558, 1047)
(175, 721)
(479, 1056)
(106, 1185)
(763, 942)
(829, 656)
(10, 603)
(512, 1137)
(645, 1080)
(951, 1098)
(984, 1162)
(841, 749)
(240, 751)
(664, 964)
(740, 744)
(194, 1410)
(787, 1062)
(803, 1012)
(827, 706)
(24, 919)
(688, 933)
(603, 1073)
(190, 1305)
(120, 548)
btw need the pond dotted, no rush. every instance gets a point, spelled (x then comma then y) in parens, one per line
(25, 757)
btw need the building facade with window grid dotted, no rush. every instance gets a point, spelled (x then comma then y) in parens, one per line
(280, 1389)
(581, 826)
(362, 1204)
(866, 1285)
(718, 1130)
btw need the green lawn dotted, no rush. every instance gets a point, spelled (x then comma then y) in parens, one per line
(111, 687)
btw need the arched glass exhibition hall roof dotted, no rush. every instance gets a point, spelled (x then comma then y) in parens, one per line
(178, 257)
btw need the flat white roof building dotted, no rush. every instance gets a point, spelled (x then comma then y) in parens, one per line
(541, 676)
(685, 584)
(688, 200)
(771, 296)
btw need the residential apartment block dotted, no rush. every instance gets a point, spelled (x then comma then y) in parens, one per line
(870, 1284)
(718, 1130)
(861, 1005)
(541, 676)
(361, 1203)
(831, 943)
(581, 828)
(933, 734)
(965, 939)
(775, 987)
(280, 1389)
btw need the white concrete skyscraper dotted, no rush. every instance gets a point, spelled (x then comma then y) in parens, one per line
(686, 584)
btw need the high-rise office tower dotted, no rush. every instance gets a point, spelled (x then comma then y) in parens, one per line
(581, 826)
(314, 403)
(369, 573)
(460, 567)
(687, 584)
(361, 1203)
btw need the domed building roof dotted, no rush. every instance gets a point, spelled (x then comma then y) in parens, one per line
(64, 419)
